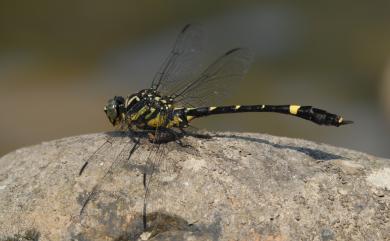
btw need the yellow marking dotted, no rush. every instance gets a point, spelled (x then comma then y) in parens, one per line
(132, 99)
(190, 117)
(175, 122)
(157, 121)
(212, 108)
(263, 106)
(237, 107)
(135, 116)
(163, 101)
(341, 120)
(157, 98)
(152, 110)
(294, 109)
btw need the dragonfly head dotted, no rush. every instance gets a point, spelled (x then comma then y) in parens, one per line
(115, 110)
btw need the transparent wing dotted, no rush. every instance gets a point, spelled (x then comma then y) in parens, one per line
(109, 140)
(153, 163)
(216, 81)
(183, 61)
(123, 139)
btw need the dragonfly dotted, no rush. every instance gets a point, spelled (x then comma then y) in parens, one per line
(179, 94)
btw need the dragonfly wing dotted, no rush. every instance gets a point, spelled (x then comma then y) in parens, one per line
(183, 62)
(217, 80)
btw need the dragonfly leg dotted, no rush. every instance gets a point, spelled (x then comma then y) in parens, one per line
(164, 135)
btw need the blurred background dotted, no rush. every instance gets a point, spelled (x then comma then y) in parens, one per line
(61, 60)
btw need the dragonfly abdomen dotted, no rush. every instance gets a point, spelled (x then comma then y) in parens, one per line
(310, 113)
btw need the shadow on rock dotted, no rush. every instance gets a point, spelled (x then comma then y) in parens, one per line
(313, 153)
(160, 226)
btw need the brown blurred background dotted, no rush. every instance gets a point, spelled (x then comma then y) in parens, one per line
(61, 60)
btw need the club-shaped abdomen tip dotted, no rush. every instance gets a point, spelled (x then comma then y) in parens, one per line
(341, 121)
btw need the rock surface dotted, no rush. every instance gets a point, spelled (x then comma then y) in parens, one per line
(229, 187)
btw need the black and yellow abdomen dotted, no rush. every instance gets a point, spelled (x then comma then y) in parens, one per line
(180, 117)
(310, 113)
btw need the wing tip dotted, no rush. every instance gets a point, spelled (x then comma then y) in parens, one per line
(186, 27)
(233, 50)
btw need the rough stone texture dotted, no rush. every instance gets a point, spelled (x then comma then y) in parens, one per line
(230, 187)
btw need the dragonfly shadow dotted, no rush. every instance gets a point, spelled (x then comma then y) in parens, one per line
(165, 226)
(316, 154)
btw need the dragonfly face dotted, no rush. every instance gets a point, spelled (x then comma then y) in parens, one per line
(115, 109)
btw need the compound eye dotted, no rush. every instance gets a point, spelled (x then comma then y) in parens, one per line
(119, 100)
(112, 114)
(111, 110)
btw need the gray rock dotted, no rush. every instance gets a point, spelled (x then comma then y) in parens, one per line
(229, 187)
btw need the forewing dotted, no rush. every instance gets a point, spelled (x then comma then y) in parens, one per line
(183, 61)
(217, 80)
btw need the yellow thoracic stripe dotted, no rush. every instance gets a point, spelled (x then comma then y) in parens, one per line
(237, 107)
(212, 108)
(294, 109)
(135, 116)
(156, 121)
(152, 110)
(175, 122)
(160, 120)
(131, 100)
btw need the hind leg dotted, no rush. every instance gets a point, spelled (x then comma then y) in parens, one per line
(164, 135)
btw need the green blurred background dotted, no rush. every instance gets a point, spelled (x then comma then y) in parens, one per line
(61, 60)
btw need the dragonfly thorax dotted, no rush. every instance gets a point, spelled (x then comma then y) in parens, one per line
(138, 108)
